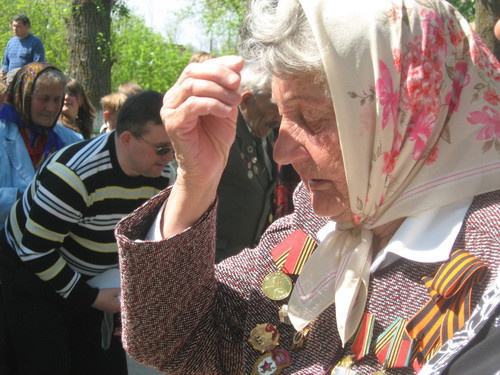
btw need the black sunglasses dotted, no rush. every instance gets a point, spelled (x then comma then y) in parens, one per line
(160, 150)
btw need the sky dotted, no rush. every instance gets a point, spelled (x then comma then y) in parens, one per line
(159, 15)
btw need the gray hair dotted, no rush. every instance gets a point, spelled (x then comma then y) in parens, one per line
(281, 39)
(255, 79)
(51, 75)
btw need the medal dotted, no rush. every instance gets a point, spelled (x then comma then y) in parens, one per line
(298, 339)
(344, 366)
(277, 285)
(291, 254)
(272, 363)
(393, 347)
(360, 346)
(264, 337)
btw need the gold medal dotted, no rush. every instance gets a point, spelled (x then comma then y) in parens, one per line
(344, 366)
(264, 337)
(298, 338)
(277, 285)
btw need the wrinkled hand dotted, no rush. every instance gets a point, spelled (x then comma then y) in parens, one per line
(199, 113)
(107, 300)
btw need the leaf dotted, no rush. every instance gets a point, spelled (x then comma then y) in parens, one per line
(487, 145)
(445, 134)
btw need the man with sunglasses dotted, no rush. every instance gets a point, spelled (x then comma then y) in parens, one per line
(60, 234)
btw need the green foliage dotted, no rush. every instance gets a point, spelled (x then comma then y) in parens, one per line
(137, 52)
(465, 7)
(144, 56)
(221, 20)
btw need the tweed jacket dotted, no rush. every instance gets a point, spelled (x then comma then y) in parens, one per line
(182, 315)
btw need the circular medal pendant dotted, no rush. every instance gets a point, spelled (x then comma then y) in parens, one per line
(277, 285)
(264, 337)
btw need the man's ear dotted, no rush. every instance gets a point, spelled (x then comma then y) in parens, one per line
(106, 115)
(125, 138)
(246, 98)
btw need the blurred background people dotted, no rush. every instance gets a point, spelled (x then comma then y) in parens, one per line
(61, 234)
(21, 49)
(29, 133)
(246, 188)
(129, 88)
(77, 113)
(111, 104)
(3, 92)
(200, 56)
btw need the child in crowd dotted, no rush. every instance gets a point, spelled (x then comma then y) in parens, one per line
(111, 104)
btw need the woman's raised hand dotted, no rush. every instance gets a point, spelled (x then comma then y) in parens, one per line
(200, 113)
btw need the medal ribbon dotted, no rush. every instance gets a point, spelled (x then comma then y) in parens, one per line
(393, 347)
(449, 307)
(291, 254)
(361, 344)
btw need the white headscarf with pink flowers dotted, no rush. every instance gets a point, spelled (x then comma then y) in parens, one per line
(416, 98)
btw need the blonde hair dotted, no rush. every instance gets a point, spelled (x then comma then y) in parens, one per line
(129, 88)
(199, 57)
(113, 102)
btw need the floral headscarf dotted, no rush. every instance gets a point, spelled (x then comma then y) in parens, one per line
(17, 106)
(415, 93)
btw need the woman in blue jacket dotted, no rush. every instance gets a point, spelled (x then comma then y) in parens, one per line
(28, 130)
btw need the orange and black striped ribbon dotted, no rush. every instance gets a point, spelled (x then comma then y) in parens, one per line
(449, 307)
(291, 254)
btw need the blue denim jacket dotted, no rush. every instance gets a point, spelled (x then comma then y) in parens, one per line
(16, 169)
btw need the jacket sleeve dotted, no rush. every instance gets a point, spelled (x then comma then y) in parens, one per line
(5, 59)
(38, 51)
(170, 299)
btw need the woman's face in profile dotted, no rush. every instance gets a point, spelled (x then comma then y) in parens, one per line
(308, 139)
(71, 104)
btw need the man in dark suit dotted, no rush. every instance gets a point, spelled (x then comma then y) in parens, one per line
(246, 189)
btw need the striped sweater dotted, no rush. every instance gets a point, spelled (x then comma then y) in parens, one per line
(63, 227)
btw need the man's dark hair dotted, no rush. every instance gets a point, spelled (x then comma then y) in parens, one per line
(22, 18)
(138, 110)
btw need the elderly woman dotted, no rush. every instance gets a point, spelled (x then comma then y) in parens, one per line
(28, 129)
(77, 113)
(389, 115)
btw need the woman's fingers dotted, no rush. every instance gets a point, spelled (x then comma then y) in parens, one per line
(218, 79)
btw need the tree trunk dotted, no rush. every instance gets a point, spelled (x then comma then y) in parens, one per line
(88, 37)
(486, 15)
